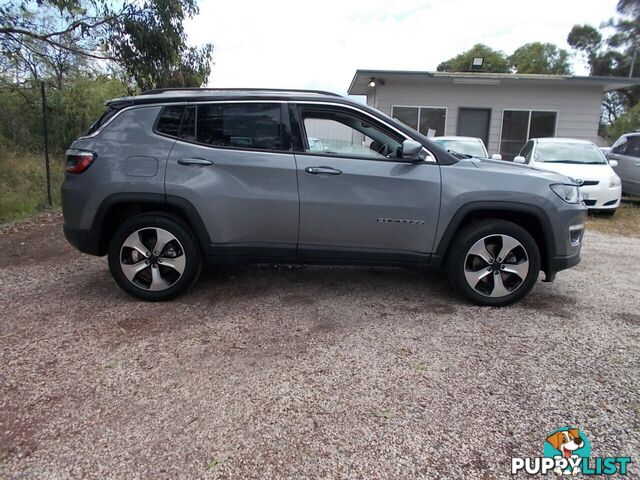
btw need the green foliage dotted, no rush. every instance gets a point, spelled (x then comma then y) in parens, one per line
(72, 109)
(585, 39)
(495, 61)
(150, 45)
(143, 40)
(625, 123)
(612, 57)
(544, 58)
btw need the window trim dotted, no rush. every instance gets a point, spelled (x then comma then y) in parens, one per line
(419, 107)
(555, 127)
(298, 106)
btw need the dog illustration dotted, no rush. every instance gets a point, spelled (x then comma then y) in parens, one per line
(566, 442)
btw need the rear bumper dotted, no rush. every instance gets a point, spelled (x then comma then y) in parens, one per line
(83, 240)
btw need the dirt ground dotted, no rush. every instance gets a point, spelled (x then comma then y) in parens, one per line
(319, 372)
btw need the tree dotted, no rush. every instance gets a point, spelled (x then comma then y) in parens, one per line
(144, 39)
(545, 58)
(151, 46)
(495, 61)
(625, 123)
(613, 56)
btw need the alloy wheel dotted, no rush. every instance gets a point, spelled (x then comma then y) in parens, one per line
(496, 265)
(152, 259)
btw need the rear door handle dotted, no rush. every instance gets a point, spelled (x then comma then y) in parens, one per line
(322, 171)
(194, 161)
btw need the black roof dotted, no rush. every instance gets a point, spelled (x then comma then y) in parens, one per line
(168, 95)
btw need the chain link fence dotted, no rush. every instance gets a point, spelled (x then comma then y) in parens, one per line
(30, 177)
(23, 183)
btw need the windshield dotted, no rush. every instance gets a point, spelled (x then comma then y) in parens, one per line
(584, 153)
(467, 147)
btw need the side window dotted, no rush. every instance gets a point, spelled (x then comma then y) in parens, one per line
(169, 120)
(633, 149)
(621, 146)
(526, 151)
(241, 125)
(339, 133)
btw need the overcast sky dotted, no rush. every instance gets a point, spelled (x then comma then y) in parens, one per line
(320, 44)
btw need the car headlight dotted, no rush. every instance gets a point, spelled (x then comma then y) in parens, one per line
(614, 181)
(568, 193)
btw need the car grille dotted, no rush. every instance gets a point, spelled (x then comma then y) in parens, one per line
(589, 183)
(589, 203)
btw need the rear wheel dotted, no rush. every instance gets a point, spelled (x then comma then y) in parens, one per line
(154, 257)
(494, 262)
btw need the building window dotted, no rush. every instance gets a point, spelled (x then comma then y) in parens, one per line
(422, 119)
(518, 126)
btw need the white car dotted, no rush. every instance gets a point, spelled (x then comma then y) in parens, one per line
(581, 160)
(466, 145)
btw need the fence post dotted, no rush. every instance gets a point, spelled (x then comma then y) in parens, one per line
(45, 122)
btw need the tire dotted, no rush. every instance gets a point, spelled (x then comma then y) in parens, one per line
(159, 275)
(487, 238)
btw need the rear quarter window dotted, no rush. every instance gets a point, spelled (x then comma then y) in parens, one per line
(104, 118)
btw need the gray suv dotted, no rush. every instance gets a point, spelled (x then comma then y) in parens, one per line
(166, 180)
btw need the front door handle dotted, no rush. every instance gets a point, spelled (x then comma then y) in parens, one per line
(322, 171)
(194, 161)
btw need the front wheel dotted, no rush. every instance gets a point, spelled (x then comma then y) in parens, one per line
(154, 257)
(494, 262)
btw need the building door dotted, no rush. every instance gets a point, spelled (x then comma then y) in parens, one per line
(474, 122)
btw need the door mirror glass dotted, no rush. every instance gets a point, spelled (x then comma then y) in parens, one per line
(496, 156)
(519, 159)
(613, 163)
(411, 150)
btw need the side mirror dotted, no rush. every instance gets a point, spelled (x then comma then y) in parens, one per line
(613, 163)
(411, 150)
(496, 156)
(519, 159)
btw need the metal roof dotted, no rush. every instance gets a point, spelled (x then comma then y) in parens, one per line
(359, 84)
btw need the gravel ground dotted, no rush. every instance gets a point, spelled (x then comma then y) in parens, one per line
(320, 372)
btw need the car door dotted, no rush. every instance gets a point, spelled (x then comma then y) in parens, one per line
(357, 198)
(234, 163)
(626, 152)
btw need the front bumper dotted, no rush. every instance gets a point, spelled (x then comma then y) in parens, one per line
(601, 196)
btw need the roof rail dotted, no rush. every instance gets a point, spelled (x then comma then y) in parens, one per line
(205, 89)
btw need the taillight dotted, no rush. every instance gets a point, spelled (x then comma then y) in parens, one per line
(78, 161)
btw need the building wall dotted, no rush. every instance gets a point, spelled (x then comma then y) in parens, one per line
(578, 107)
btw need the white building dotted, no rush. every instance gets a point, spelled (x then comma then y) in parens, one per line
(505, 110)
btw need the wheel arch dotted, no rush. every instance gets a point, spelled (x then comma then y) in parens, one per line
(119, 206)
(530, 217)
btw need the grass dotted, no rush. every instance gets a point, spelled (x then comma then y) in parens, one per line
(23, 183)
(625, 222)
